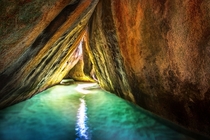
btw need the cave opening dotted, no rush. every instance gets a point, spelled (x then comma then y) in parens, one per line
(83, 69)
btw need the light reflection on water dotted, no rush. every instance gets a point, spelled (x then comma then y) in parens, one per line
(96, 114)
(81, 126)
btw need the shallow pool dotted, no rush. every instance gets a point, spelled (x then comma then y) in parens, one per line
(82, 111)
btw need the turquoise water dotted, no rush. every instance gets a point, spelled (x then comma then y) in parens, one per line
(78, 112)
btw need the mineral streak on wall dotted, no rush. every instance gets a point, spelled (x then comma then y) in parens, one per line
(158, 50)
(39, 42)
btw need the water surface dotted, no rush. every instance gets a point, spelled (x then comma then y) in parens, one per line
(79, 112)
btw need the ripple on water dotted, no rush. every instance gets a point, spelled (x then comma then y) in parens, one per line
(54, 114)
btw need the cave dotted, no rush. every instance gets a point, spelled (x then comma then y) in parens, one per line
(153, 56)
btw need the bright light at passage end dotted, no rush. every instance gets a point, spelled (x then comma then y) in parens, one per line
(83, 88)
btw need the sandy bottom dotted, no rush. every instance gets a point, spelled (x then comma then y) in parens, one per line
(79, 112)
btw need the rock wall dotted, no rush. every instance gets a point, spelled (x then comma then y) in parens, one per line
(83, 70)
(105, 53)
(156, 53)
(38, 45)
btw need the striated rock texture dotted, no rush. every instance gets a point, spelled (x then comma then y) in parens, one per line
(38, 45)
(156, 53)
(105, 53)
(83, 70)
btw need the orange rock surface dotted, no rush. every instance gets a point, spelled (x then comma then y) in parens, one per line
(156, 53)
